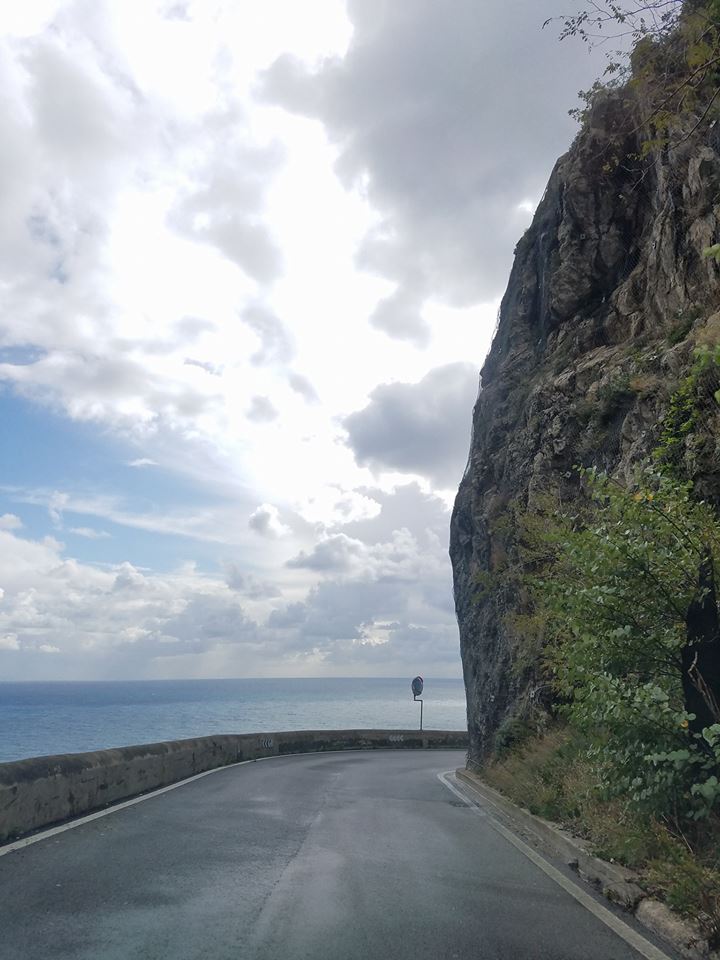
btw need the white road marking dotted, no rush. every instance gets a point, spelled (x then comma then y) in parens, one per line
(618, 926)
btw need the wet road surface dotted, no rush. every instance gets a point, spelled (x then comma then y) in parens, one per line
(323, 857)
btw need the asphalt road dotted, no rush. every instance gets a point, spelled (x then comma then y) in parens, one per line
(326, 857)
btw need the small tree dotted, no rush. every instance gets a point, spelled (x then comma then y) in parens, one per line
(631, 626)
(670, 48)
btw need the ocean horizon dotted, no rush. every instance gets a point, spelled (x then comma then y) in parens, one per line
(58, 716)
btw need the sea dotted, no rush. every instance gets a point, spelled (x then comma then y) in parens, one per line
(44, 719)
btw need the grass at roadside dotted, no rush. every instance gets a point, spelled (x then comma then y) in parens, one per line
(552, 777)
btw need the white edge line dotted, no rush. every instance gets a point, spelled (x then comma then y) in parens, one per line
(618, 926)
(61, 828)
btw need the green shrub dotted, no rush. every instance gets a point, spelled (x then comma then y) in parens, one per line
(683, 324)
(695, 395)
(553, 777)
(614, 397)
(679, 331)
(690, 887)
(616, 594)
(512, 732)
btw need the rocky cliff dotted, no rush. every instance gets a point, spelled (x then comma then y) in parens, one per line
(608, 297)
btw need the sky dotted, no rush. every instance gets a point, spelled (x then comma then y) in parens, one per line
(251, 257)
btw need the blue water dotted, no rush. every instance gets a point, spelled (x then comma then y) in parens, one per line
(42, 719)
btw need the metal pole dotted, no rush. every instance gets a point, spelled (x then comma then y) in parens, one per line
(421, 709)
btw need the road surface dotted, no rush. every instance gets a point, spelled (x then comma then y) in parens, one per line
(324, 857)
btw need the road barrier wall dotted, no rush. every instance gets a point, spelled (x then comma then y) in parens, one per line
(41, 791)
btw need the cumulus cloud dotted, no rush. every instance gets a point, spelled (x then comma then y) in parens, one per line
(334, 554)
(302, 385)
(379, 590)
(377, 595)
(266, 522)
(112, 389)
(224, 205)
(8, 521)
(383, 594)
(142, 289)
(105, 169)
(262, 410)
(209, 620)
(400, 557)
(248, 585)
(72, 128)
(407, 506)
(421, 428)
(275, 342)
(443, 134)
(400, 316)
(399, 646)
(94, 620)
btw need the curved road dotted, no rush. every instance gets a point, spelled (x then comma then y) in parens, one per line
(323, 857)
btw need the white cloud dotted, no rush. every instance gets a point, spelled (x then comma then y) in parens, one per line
(384, 596)
(421, 428)
(262, 410)
(248, 585)
(224, 206)
(302, 385)
(96, 621)
(89, 533)
(275, 343)
(269, 308)
(336, 553)
(221, 523)
(266, 521)
(8, 521)
(56, 504)
(401, 316)
(445, 133)
(191, 358)
(376, 590)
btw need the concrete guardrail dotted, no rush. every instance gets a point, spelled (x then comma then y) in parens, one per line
(40, 791)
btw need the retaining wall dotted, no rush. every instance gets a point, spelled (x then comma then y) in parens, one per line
(41, 791)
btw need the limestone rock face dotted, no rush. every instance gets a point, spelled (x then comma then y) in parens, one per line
(607, 298)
